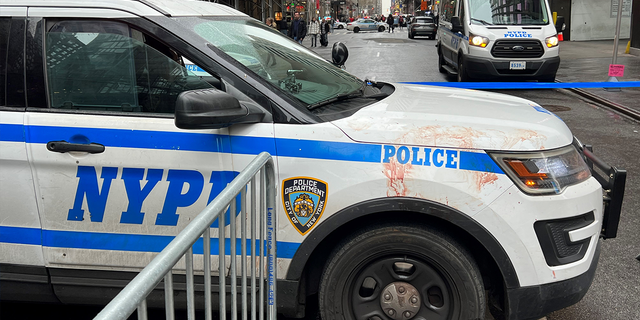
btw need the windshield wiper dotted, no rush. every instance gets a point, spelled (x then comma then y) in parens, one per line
(340, 97)
(375, 92)
(355, 94)
(482, 21)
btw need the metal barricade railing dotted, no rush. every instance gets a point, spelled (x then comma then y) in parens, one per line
(134, 294)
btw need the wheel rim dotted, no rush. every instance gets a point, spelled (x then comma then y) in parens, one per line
(374, 279)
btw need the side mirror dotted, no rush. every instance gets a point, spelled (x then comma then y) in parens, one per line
(339, 54)
(559, 24)
(211, 109)
(456, 26)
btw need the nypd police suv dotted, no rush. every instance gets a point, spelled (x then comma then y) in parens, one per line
(483, 39)
(109, 146)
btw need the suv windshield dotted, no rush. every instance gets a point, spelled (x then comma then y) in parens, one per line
(508, 12)
(293, 69)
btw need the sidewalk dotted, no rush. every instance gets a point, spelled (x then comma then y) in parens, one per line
(588, 61)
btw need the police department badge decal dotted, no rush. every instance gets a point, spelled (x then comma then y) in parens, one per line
(304, 200)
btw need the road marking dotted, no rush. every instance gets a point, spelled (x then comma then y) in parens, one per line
(378, 54)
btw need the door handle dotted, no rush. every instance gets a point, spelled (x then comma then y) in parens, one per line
(63, 146)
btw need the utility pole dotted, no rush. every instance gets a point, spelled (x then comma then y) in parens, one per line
(615, 45)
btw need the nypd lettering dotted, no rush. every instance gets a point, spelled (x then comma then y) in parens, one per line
(304, 200)
(517, 34)
(421, 156)
(138, 184)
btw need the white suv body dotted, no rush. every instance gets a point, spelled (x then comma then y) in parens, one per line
(103, 161)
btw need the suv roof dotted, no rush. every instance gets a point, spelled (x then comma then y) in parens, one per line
(140, 7)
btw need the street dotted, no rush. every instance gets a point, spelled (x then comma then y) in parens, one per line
(392, 57)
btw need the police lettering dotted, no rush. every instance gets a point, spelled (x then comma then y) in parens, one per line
(422, 156)
(138, 184)
(517, 34)
(305, 185)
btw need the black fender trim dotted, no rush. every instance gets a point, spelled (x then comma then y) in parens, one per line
(402, 204)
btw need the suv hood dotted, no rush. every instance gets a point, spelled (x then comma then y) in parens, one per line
(456, 118)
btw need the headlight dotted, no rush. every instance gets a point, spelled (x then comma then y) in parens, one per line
(551, 41)
(478, 41)
(545, 172)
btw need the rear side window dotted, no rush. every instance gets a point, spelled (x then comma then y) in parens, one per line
(5, 27)
(107, 66)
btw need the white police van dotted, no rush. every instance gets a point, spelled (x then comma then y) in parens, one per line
(109, 146)
(486, 40)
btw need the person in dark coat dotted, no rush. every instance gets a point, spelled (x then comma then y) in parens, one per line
(298, 29)
(390, 22)
(325, 29)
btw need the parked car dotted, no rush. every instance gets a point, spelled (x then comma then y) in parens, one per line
(339, 25)
(366, 25)
(422, 26)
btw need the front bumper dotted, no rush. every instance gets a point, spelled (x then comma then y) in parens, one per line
(424, 31)
(489, 68)
(534, 302)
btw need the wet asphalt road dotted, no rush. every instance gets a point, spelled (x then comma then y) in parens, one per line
(615, 292)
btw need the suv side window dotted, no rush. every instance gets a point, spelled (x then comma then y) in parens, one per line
(108, 66)
(5, 26)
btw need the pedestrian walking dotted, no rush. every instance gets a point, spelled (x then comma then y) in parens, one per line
(283, 26)
(298, 29)
(272, 23)
(390, 22)
(400, 20)
(324, 33)
(314, 29)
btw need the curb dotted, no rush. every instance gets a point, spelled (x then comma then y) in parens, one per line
(633, 114)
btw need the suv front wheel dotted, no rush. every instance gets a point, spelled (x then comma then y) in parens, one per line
(401, 272)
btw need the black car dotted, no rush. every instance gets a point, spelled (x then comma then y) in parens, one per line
(423, 26)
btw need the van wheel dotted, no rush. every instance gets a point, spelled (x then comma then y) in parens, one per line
(441, 61)
(434, 275)
(462, 74)
(356, 30)
(380, 29)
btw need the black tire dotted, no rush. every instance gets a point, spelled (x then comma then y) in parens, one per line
(381, 29)
(441, 61)
(340, 27)
(443, 273)
(462, 74)
(411, 36)
(356, 30)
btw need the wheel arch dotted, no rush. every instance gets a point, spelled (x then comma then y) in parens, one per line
(308, 262)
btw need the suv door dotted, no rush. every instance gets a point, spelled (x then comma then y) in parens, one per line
(21, 261)
(116, 178)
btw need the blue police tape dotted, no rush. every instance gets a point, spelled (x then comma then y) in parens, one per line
(530, 85)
